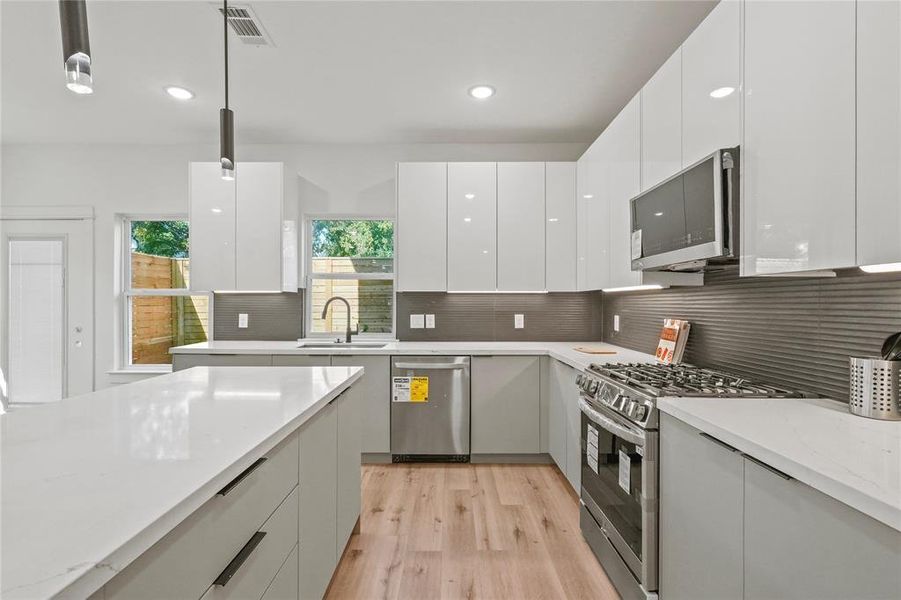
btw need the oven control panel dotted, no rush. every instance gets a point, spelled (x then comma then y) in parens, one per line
(616, 398)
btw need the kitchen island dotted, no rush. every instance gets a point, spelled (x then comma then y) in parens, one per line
(106, 492)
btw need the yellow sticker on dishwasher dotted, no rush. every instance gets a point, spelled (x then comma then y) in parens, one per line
(410, 389)
(419, 389)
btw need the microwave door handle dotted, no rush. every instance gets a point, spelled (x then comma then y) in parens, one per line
(610, 425)
(728, 164)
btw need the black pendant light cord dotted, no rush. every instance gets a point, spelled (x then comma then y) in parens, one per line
(225, 37)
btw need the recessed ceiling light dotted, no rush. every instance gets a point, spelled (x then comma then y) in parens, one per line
(659, 213)
(588, 196)
(179, 93)
(553, 220)
(481, 92)
(467, 219)
(469, 196)
(721, 92)
(216, 210)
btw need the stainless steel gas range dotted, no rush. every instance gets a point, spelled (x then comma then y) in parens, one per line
(620, 459)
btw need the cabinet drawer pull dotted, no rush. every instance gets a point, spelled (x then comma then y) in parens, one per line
(241, 476)
(239, 558)
(772, 470)
(719, 442)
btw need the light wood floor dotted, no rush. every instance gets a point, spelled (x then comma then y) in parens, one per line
(492, 532)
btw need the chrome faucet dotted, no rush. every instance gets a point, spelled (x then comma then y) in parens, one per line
(349, 331)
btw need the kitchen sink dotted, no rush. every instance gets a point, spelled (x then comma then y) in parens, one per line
(341, 345)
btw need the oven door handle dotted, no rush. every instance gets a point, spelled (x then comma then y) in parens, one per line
(610, 425)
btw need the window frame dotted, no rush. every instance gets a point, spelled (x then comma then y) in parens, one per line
(310, 275)
(126, 292)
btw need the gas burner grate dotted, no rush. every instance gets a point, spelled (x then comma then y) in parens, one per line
(686, 380)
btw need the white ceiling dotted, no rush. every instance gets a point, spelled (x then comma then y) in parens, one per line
(340, 72)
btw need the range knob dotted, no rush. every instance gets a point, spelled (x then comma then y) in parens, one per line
(630, 408)
(592, 387)
(641, 412)
(579, 379)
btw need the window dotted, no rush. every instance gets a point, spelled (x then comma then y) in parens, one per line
(160, 312)
(353, 259)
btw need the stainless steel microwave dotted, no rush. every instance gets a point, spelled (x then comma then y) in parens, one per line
(690, 220)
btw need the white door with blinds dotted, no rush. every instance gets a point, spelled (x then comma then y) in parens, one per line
(46, 350)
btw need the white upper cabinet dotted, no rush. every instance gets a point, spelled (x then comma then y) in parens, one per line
(560, 229)
(594, 218)
(238, 230)
(212, 228)
(798, 155)
(471, 226)
(661, 123)
(711, 76)
(623, 141)
(878, 132)
(520, 226)
(421, 227)
(259, 226)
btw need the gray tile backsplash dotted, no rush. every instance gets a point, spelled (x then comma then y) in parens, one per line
(795, 332)
(270, 316)
(490, 317)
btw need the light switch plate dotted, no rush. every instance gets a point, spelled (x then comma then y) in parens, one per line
(417, 321)
(242, 320)
(616, 323)
(519, 321)
(430, 321)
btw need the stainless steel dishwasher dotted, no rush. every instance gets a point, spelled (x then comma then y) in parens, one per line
(430, 408)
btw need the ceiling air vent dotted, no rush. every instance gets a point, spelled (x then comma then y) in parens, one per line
(246, 25)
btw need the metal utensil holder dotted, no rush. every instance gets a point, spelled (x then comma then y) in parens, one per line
(876, 388)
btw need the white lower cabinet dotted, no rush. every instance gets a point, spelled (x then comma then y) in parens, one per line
(318, 550)
(556, 412)
(186, 361)
(349, 469)
(701, 485)
(252, 577)
(185, 562)
(732, 527)
(799, 543)
(565, 422)
(374, 391)
(505, 405)
(284, 586)
(301, 360)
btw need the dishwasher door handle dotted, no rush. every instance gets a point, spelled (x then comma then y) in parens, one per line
(430, 366)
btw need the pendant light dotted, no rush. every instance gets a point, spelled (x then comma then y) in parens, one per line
(73, 20)
(226, 116)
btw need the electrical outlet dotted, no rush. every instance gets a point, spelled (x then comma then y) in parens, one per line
(519, 321)
(430, 321)
(616, 323)
(242, 320)
(417, 321)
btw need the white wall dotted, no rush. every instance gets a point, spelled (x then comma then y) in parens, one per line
(148, 179)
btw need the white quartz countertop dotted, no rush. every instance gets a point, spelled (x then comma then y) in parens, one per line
(818, 442)
(562, 351)
(90, 483)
